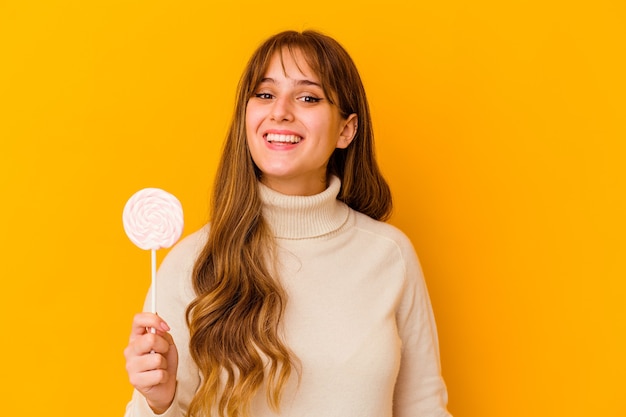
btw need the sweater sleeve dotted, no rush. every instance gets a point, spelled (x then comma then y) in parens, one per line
(174, 293)
(420, 389)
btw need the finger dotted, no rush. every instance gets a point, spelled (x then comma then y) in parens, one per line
(143, 321)
(148, 320)
(167, 337)
(144, 381)
(150, 343)
(146, 363)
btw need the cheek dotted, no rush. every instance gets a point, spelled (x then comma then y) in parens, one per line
(254, 117)
(248, 118)
(327, 124)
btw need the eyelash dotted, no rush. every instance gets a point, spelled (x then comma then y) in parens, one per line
(311, 99)
(306, 99)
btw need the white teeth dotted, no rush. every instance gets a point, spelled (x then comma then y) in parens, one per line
(274, 137)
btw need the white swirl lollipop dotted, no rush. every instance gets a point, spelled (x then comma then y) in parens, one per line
(153, 219)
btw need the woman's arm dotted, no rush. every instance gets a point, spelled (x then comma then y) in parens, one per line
(174, 293)
(420, 389)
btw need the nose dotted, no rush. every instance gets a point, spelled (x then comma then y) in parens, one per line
(282, 109)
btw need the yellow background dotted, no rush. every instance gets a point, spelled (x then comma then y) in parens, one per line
(501, 126)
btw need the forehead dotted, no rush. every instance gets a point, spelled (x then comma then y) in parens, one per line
(292, 64)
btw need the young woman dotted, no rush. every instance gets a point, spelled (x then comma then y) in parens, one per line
(297, 300)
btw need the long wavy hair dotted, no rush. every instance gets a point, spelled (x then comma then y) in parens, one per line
(235, 319)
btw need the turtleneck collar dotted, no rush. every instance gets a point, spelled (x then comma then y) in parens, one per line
(301, 217)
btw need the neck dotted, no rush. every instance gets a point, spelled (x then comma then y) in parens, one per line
(296, 186)
(298, 217)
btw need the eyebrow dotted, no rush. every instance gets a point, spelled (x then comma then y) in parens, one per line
(297, 82)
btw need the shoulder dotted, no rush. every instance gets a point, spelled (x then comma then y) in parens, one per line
(398, 244)
(188, 249)
(383, 230)
(177, 267)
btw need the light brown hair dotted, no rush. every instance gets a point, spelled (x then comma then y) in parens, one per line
(234, 320)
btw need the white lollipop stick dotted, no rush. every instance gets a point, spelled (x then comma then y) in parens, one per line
(153, 219)
(154, 286)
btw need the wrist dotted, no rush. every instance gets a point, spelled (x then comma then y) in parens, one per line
(159, 408)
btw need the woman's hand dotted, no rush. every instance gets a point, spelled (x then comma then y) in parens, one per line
(152, 360)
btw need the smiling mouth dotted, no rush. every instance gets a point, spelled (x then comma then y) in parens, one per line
(276, 138)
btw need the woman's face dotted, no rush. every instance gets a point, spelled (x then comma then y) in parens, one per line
(292, 128)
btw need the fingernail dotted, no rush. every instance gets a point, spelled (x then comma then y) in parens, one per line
(165, 327)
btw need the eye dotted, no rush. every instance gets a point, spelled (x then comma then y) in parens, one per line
(264, 96)
(310, 99)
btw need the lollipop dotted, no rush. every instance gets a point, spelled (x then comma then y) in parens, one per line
(153, 219)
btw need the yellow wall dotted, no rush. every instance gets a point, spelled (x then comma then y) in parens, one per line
(501, 127)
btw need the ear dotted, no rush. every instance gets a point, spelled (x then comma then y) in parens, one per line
(348, 131)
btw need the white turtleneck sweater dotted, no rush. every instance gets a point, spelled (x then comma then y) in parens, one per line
(358, 315)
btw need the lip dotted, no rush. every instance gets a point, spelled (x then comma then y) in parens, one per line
(282, 132)
(281, 146)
